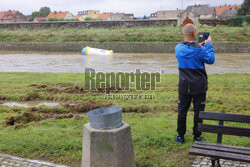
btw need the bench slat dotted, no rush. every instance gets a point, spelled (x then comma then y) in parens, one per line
(223, 145)
(225, 117)
(218, 148)
(219, 154)
(224, 130)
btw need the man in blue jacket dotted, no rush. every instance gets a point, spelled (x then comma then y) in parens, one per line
(191, 58)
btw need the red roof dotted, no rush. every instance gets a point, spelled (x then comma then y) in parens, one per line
(40, 18)
(104, 16)
(8, 15)
(221, 9)
(58, 15)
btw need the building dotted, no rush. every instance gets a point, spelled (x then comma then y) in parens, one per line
(37, 19)
(203, 12)
(104, 16)
(153, 16)
(12, 17)
(187, 18)
(80, 18)
(129, 16)
(224, 12)
(166, 15)
(120, 16)
(89, 13)
(60, 15)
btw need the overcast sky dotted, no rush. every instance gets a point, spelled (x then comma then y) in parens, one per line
(138, 7)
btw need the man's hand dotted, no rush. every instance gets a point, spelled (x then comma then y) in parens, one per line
(209, 40)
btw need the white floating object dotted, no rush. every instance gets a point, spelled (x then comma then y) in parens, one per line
(94, 51)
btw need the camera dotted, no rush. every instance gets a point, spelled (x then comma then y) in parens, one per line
(203, 36)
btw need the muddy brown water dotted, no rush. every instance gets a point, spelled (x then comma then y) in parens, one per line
(30, 104)
(76, 63)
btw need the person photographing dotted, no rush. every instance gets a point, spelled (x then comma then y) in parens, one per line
(193, 85)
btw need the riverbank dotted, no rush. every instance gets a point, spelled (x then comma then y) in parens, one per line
(55, 133)
(121, 40)
(136, 34)
(118, 47)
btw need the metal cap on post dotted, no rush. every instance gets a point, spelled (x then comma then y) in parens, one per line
(107, 141)
(105, 118)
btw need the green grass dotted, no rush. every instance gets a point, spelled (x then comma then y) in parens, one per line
(153, 125)
(142, 34)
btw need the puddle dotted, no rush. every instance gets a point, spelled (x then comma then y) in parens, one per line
(30, 104)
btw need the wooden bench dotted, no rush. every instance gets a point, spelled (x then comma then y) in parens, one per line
(221, 151)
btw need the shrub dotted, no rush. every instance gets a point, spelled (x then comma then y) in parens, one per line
(239, 20)
(89, 18)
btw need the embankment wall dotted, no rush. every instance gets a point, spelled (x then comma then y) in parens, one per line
(101, 24)
(121, 47)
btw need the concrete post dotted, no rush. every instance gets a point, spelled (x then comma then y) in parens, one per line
(108, 148)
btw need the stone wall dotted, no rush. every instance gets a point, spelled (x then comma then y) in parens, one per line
(101, 24)
(214, 22)
(122, 47)
(87, 24)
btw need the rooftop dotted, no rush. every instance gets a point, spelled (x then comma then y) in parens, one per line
(220, 9)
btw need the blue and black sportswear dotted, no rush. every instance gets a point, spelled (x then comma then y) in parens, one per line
(191, 59)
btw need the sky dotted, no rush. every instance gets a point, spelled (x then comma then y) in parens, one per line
(138, 7)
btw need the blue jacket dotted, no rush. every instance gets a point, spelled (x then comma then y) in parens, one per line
(191, 59)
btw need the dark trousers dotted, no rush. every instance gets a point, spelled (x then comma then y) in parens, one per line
(199, 102)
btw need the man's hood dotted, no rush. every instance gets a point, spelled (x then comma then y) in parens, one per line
(189, 49)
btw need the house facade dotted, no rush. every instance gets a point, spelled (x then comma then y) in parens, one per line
(166, 15)
(225, 12)
(60, 15)
(203, 12)
(153, 16)
(37, 19)
(120, 16)
(80, 18)
(12, 17)
(89, 13)
(104, 16)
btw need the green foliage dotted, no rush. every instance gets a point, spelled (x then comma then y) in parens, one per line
(89, 19)
(43, 12)
(239, 20)
(72, 19)
(244, 24)
(138, 34)
(245, 8)
(55, 19)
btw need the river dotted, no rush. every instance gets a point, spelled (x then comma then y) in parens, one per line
(125, 62)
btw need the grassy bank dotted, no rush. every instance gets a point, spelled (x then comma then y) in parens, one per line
(55, 133)
(140, 34)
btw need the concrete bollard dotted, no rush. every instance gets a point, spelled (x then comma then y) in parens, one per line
(108, 147)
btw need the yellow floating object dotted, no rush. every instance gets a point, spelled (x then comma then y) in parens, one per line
(95, 51)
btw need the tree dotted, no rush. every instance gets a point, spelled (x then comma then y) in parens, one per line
(245, 8)
(43, 12)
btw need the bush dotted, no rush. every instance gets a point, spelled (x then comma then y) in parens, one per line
(55, 19)
(89, 18)
(239, 21)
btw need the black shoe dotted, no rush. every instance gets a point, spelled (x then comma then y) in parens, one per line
(199, 139)
(179, 139)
